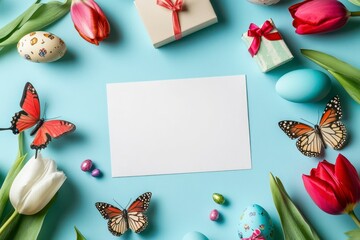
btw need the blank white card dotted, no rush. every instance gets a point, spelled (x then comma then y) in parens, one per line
(178, 126)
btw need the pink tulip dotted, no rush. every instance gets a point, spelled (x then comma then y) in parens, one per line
(318, 16)
(89, 20)
(334, 188)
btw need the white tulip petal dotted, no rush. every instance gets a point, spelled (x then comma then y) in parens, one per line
(35, 185)
(41, 193)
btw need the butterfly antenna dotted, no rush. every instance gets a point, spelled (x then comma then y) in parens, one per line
(118, 203)
(308, 121)
(45, 106)
(3, 129)
(127, 205)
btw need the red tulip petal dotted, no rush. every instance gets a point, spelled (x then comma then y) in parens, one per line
(349, 178)
(84, 18)
(323, 195)
(293, 8)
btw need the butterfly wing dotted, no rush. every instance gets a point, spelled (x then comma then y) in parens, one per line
(309, 142)
(51, 129)
(117, 223)
(136, 217)
(30, 113)
(332, 130)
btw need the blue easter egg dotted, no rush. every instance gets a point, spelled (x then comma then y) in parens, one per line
(255, 222)
(303, 85)
(194, 236)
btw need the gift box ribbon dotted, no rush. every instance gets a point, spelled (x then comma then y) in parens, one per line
(255, 236)
(265, 31)
(175, 8)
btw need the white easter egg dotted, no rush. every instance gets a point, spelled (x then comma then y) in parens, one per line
(41, 46)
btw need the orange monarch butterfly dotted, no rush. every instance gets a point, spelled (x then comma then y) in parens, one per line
(312, 140)
(29, 117)
(121, 220)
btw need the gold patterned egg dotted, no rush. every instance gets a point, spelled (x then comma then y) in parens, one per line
(41, 46)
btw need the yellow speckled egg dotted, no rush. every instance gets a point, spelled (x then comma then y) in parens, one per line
(41, 46)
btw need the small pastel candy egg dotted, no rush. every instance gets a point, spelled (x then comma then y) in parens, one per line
(255, 221)
(214, 215)
(194, 236)
(86, 165)
(218, 198)
(303, 85)
(41, 46)
(96, 172)
(264, 2)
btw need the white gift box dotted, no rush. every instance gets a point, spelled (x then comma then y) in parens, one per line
(158, 20)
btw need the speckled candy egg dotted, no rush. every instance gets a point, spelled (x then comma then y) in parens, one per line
(255, 221)
(303, 85)
(41, 47)
(264, 2)
(194, 236)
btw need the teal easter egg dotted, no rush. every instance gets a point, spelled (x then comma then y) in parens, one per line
(303, 85)
(255, 222)
(194, 236)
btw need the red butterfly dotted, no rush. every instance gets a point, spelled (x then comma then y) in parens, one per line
(312, 140)
(121, 220)
(29, 116)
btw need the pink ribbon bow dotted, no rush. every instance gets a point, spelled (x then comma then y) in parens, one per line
(256, 32)
(175, 8)
(255, 236)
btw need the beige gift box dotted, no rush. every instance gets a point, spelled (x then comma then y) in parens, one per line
(158, 20)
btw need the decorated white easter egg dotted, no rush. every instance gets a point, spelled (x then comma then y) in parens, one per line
(41, 47)
(303, 85)
(194, 236)
(254, 223)
(264, 2)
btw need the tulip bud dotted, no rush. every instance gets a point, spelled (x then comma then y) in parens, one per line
(35, 185)
(89, 20)
(318, 16)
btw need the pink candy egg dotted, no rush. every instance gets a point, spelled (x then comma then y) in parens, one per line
(86, 165)
(214, 215)
(95, 173)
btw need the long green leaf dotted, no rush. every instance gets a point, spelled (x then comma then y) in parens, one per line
(19, 21)
(356, 2)
(79, 236)
(6, 234)
(347, 75)
(14, 170)
(352, 86)
(37, 17)
(292, 221)
(353, 234)
(30, 225)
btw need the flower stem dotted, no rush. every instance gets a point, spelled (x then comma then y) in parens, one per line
(354, 14)
(354, 218)
(10, 219)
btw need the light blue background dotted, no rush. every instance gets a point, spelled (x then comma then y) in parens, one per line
(74, 88)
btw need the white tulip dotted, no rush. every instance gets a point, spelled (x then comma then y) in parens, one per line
(35, 185)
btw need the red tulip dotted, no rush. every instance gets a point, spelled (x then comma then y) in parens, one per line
(318, 16)
(89, 20)
(334, 188)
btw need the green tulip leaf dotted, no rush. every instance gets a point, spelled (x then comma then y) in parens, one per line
(29, 226)
(353, 234)
(356, 2)
(8, 231)
(79, 236)
(347, 75)
(15, 169)
(36, 17)
(292, 221)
